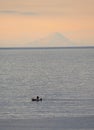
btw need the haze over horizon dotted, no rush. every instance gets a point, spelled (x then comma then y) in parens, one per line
(35, 23)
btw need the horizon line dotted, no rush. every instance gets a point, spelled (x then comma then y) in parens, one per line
(65, 47)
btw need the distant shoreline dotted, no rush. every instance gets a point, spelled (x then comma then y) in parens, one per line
(73, 47)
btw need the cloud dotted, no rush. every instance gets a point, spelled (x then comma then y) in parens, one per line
(8, 12)
(17, 12)
(68, 8)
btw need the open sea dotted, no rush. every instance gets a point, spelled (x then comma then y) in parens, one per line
(64, 78)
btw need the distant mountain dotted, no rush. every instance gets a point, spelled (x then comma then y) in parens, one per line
(53, 40)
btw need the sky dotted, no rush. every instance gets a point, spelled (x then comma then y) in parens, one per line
(24, 21)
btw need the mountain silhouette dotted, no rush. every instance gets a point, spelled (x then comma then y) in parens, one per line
(54, 40)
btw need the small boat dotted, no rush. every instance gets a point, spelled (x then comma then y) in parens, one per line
(37, 99)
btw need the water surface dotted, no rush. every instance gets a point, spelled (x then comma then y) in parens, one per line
(64, 78)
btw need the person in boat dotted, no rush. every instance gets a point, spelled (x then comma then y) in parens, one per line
(37, 99)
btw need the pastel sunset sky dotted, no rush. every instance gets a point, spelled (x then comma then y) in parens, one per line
(23, 21)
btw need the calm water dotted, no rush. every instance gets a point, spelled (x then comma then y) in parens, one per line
(64, 78)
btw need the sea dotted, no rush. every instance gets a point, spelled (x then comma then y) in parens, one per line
(62, 77)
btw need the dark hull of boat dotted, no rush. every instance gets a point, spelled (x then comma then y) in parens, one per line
(37, 100)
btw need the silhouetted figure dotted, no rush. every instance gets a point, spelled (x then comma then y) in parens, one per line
(37, 97)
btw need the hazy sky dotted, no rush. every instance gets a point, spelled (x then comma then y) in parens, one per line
(22, 21)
